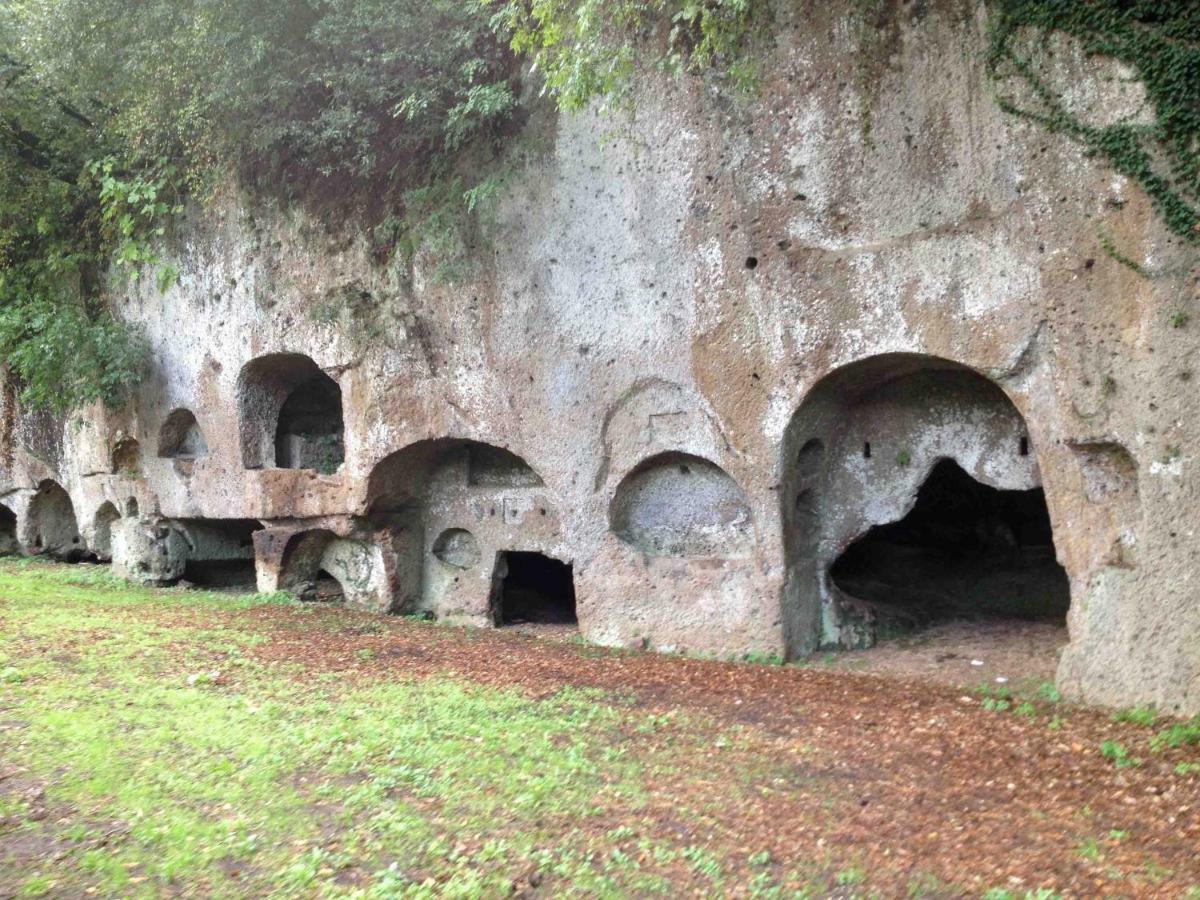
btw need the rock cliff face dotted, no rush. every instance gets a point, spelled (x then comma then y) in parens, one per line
(698, 362)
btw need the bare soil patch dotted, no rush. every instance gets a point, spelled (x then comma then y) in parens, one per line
(964, 654)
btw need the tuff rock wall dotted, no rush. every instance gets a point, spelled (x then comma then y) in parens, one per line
(653, 330)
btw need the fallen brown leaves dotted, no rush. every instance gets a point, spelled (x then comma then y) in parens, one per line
(907, 779)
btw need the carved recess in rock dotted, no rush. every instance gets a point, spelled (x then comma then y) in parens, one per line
(532, 588)
(404, 480)
(220, 552)
(126, 457)
(675, 504)
(8, 532)
(965, 551)
(439, 497)
(320, 566)
(289, 415)
(180, 436)
(457, 547)
(855, 456)
(50, 526)
(1110, 483)
(181, 441)
(101, 543)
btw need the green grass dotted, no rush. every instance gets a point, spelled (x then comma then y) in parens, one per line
(211, 762)
(1141, 715)
(1119, 755)
(156, 742)
(176, 758)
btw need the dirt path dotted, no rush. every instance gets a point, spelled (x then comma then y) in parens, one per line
(915, 779)
(969, 655)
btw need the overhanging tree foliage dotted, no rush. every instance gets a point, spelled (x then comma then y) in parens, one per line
(114, 110)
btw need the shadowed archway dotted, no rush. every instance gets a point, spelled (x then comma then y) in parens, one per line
(102, 525)
(51, 527)
(910, 491)
(290, 415)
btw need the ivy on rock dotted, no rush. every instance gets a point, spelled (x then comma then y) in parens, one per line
(1160, 41)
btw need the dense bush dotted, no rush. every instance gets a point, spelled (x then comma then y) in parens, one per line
(589, 49)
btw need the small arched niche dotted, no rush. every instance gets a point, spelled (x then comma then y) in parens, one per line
(8, 532)
(406, 480)
(180, 436)
(910, 495)
(675, 504)
(319, 566)
(126, 457)
(102, 531)
(52, 528)
(290, 415)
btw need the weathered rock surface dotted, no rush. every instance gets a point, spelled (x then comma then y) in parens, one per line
(655, 331)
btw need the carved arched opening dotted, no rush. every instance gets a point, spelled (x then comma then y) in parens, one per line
(456, 511)
(675, 504)
(406, 479)
(8, 532)
(126, 457)
(102, 531)
(180, 436)
(910, 495)
(51, 528)
(290, 415)
(319, 566)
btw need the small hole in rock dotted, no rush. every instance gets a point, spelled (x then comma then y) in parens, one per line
(751, 262)
(867, 450)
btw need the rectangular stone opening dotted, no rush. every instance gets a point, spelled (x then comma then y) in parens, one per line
(220, 554)
(221, 574)
(533, 589)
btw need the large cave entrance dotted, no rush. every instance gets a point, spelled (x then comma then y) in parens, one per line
(533, 589)
(964, 551)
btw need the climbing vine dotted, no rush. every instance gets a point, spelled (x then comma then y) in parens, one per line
(1160, 41)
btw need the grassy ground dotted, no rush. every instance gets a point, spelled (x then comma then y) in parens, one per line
(170, 742)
